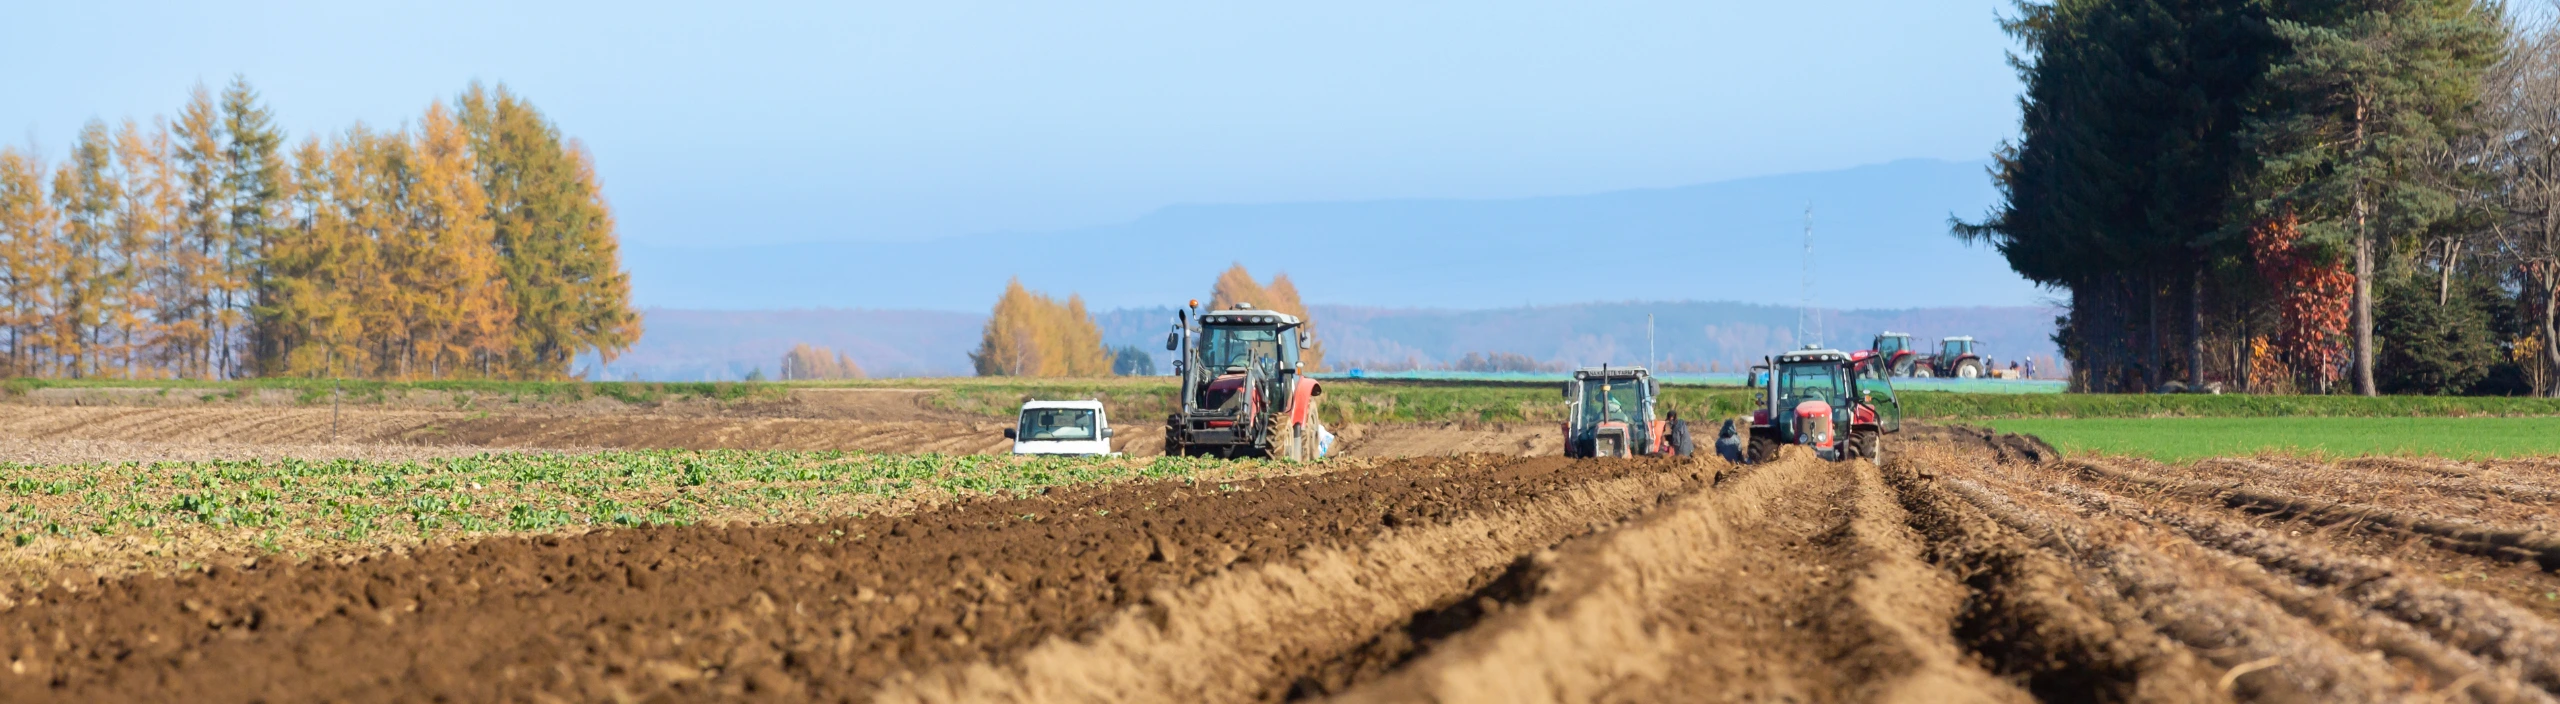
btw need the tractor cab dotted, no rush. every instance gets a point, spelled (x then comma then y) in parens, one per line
(1958, 357)
(1835, 403)
(1242, 390)
(1611, 414)
(1893, 352)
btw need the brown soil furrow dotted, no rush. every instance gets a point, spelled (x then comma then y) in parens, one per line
(1648, 611)
(2269, 654)
(1249, 631)
(2031, 618)
(820, 611)
(2451, 649)
(2519, 644)
(2472, 496)
(2510, 542)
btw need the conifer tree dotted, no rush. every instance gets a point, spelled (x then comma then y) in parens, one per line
(554, 234)
(188, 314)
(2368, 92)
(28, 261)
(145, 235)
(1031, 334)
(253, 171)
(86, 194)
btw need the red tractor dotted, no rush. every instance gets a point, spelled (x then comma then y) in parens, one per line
(1893, 349)
(1957, 358)
(1611, 414)
(1838, 404)
(1243, 394)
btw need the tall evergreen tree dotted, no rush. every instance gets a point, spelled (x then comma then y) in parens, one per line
(252, 185)
(2366, 94)
(2119, 188)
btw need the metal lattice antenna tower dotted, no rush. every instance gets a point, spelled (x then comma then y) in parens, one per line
(1808, 317)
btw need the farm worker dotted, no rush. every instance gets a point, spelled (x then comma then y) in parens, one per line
(2031, 368)
(1679, 432)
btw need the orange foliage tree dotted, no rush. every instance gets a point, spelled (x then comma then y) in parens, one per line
(477, 244)
(2313, 292)
(1235, 285)
(806, 362)
(1031, 334)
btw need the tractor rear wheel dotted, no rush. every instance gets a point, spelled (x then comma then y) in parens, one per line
(1969, 369)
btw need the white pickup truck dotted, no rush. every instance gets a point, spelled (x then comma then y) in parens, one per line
(1061, 428)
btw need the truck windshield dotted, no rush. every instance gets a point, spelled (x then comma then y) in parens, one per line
(1620, 400)
(1228, 350)
(1057, 424)
(1811, 381)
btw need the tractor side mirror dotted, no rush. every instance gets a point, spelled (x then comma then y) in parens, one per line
(1008, 434)
(1568, 389)
(1106, 433)
(1306, 342)
(1172, 341)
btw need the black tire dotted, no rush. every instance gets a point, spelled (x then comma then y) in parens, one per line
(1763, 449)
(1869, 445)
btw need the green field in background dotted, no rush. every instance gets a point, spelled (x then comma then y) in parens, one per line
(2179, 439)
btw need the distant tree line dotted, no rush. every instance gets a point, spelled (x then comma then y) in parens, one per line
(2287, 195)
(806, 362)
(474, 243)
(1031, 334)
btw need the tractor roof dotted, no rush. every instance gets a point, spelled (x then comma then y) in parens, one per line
(1611, 373)
(1961, 338)
(1813, 354)
(1889, 333)
(1248, 316)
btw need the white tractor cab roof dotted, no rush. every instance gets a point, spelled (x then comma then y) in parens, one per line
(1245, 314)
(1961, 338)
(1813, 354)
(1610, 372)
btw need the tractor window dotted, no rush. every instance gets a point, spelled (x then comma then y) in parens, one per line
(1886, 346)
(1956, 348)
(1289, 349)
(1228, 350)
(1612, 400)
(1057, 424)
(1812, 381)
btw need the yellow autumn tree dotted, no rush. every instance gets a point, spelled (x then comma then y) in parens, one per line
(1236, 285)
(1031, 334)
(806, 362)
(29, 258)
(460, 318)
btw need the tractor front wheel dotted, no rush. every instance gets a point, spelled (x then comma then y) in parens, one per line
(1763, 449)
(1867, 444)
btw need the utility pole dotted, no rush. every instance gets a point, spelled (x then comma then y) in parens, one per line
(1808, 319)
(1648, 344)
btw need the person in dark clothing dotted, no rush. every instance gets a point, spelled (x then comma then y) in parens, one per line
(1729, 443)
(1680, 443)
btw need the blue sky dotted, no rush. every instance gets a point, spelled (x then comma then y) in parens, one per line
(751, 123)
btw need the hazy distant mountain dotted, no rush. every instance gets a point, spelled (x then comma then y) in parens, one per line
(701, 345)
(1881, 242)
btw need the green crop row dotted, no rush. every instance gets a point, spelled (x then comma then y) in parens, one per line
(159, 514)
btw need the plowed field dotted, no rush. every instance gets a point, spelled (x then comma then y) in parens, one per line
(90, 427)
(1968, 568)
